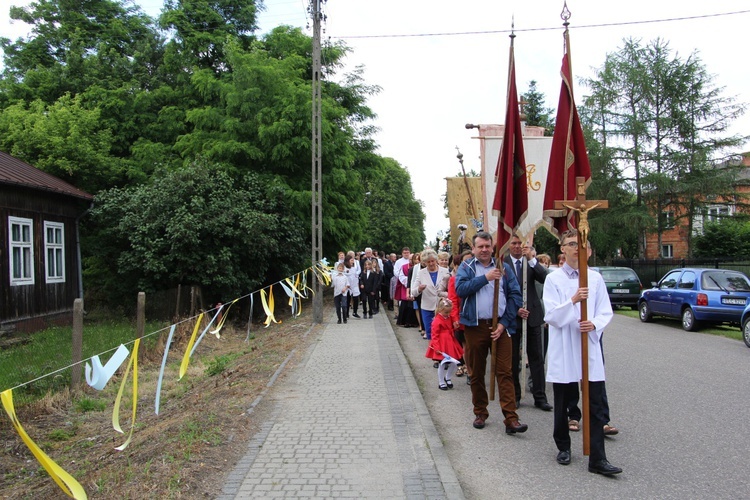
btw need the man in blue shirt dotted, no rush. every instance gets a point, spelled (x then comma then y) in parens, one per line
(475, 284)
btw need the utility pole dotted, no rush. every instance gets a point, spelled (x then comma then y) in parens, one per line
(317, 191)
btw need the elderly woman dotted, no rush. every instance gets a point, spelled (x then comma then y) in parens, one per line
(425, 283)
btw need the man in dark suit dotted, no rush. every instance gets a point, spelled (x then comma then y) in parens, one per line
(369, 284)
(387, 277)
(534, 315)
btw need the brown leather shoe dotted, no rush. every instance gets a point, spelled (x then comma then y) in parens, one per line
(479, 422)
(516, 427)
(610, 430)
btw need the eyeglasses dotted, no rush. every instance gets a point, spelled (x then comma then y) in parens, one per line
(571, 244)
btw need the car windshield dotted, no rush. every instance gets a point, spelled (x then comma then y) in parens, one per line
(619, 275)
(731, 281)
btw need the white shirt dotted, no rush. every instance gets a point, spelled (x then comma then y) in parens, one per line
(353, 276)
(486, 294)
(562, 316)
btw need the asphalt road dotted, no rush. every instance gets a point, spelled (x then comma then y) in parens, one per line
(681, 401)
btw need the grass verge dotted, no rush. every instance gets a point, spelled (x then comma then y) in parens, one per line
(186, 451)
(732, 332)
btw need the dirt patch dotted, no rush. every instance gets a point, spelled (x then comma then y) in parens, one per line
(202, 431)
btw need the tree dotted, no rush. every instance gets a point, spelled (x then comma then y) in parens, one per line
(393, 217)
(202, 27)
(108, 56)
(536, 113)
(194, 226)
(667, 123)
(64, 139)
(74, 45)
(98, 96)
(729, 237)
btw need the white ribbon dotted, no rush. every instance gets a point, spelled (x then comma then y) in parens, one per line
(195, 346)
(98, 376)
(161, 371)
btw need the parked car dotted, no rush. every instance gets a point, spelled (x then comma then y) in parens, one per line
(623, 285)
(697, 295)
(745, 324)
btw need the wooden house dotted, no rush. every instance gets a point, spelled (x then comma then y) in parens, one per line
(40, 274)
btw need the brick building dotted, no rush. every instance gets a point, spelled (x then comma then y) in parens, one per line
(674, 242)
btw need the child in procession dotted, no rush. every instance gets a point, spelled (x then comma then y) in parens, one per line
(340, 284)
(444, 348)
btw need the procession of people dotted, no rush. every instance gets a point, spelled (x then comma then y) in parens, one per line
(466, 321)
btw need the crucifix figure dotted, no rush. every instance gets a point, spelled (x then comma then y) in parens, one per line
(581, 206)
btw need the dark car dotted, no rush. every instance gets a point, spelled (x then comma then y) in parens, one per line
(745, 325)
(697, 295)
(623, 286)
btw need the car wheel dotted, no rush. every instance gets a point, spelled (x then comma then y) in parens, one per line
(644, 312)
(746, 331)
(688, 320)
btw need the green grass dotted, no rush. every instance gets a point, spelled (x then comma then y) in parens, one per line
(87, 404)
(220, 363)
(50, 350)
(732, 332)
(61, 434)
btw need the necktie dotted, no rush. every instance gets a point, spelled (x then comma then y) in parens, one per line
(518, 268)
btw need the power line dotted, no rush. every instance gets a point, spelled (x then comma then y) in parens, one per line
(517, 30)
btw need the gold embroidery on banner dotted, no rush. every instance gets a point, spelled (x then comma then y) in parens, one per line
(532, 185)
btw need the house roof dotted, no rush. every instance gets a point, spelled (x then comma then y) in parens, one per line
(16, 172)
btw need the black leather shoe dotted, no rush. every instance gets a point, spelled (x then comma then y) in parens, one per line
(516, 427)
(543, 405)
(563, 458)
(603, 467)
(355, 315)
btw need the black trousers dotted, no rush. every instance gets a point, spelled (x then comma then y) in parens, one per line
(354, 302)
(370, 301)
(339, 301)
(561, 432)
(535, 354)
(574, 413)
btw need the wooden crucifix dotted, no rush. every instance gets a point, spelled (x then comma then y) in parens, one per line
(581, 207)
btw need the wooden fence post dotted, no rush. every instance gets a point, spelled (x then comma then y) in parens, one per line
(75, 375)
(140, 317)
(177, 307)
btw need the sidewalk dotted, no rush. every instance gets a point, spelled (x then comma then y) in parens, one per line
(349, 422)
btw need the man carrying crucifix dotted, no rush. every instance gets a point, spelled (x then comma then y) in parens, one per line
(562, 303)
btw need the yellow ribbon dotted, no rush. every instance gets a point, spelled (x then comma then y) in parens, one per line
(323, 273)
(295, 296)
(223, 319)
(300, 291)
(116, 410)
(186, 357)
(268, 306)
(65, 481)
